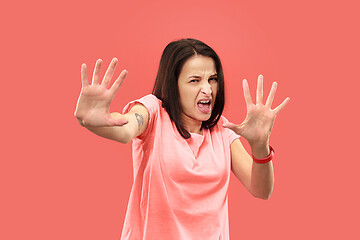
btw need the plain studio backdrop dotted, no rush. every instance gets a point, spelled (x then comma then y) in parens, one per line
(60, 181)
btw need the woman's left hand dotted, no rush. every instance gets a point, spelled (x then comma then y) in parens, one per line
(256, 127)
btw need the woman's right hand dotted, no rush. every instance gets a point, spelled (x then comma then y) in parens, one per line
(93, 106)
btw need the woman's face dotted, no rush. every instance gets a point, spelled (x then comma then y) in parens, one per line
(197, 85)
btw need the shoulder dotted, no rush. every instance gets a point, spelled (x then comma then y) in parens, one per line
(150, 102)
(222, 120)
(145, 110)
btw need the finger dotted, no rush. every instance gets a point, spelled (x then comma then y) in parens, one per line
(109, 73)
(234, 127)
(281, 106)
(115, 87)
(230, 125)
(84, 77)
(259, 90)
(96, 74)
(247, 94)
(271, 96)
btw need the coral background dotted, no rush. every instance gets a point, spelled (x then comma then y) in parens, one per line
(60, 181)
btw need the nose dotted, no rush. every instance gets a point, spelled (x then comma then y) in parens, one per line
(206, 88)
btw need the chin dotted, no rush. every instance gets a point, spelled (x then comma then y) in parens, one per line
(204, 117)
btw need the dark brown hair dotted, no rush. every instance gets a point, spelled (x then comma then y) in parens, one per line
(166, 89)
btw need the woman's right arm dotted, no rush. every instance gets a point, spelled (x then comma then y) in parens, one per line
(92, 109)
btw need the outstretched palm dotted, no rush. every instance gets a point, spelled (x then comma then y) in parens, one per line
(93, 106)
(256, 127)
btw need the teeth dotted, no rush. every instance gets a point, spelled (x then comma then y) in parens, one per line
(204, 102)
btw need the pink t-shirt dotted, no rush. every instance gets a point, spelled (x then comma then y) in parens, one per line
(180, 188)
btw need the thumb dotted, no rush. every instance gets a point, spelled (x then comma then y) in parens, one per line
(230, 125)
(118, 122)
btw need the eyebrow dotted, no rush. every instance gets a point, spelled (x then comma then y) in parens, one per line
(196, 76)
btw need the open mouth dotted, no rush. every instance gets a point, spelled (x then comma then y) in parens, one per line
(204, 106)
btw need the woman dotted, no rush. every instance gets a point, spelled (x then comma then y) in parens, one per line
(183, 149)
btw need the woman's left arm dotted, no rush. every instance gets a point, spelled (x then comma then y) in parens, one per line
(258, 178)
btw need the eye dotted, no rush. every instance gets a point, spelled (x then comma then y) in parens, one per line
(194, 80)
(214, 79)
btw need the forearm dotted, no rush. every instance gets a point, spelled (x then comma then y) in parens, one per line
(262, 174)
(134, 124)
(116, 133)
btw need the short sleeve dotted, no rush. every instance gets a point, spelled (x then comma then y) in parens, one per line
(152, 105)
(231, 134)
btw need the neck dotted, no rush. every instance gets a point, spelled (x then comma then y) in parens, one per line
(191, 125)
